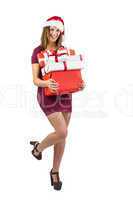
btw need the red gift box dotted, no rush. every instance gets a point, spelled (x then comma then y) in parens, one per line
(64, 68)
(69, 81)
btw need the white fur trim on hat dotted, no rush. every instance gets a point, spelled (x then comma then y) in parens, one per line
(58, 24)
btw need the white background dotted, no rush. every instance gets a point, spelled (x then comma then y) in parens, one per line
(98, 161)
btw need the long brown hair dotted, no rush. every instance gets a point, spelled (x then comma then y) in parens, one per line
(44, 39)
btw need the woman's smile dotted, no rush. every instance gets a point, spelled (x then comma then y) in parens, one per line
(53, 37)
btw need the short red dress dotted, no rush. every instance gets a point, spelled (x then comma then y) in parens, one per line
(55, 103)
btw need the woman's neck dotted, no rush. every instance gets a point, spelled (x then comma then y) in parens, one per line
(51, 45)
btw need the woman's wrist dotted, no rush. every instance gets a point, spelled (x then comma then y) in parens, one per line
(40, 83)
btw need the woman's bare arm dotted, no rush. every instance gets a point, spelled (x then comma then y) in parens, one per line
(41, 83)
(35, 73)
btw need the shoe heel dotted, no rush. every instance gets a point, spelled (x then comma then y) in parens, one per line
(35, 144)
(51, 178)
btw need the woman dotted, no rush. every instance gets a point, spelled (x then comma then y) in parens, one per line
(57, 108)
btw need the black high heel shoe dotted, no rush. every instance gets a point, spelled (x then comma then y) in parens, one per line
(35, 150)
(57, 185)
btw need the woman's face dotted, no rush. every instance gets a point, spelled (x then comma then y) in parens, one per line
(53, 34)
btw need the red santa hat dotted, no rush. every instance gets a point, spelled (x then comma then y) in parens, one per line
(55, 21)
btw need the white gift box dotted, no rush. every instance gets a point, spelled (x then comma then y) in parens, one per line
(64, 63)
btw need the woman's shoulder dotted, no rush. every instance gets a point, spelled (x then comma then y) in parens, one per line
(37, 49)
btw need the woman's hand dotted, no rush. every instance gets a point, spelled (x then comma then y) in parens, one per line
(52, 84)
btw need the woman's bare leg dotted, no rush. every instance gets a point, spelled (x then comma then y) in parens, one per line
(58, 122)
(59, 147)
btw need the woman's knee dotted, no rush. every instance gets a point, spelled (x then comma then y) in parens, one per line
(58, 122)
(62, 132)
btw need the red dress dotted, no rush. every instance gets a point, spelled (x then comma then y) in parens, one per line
(55, 103)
